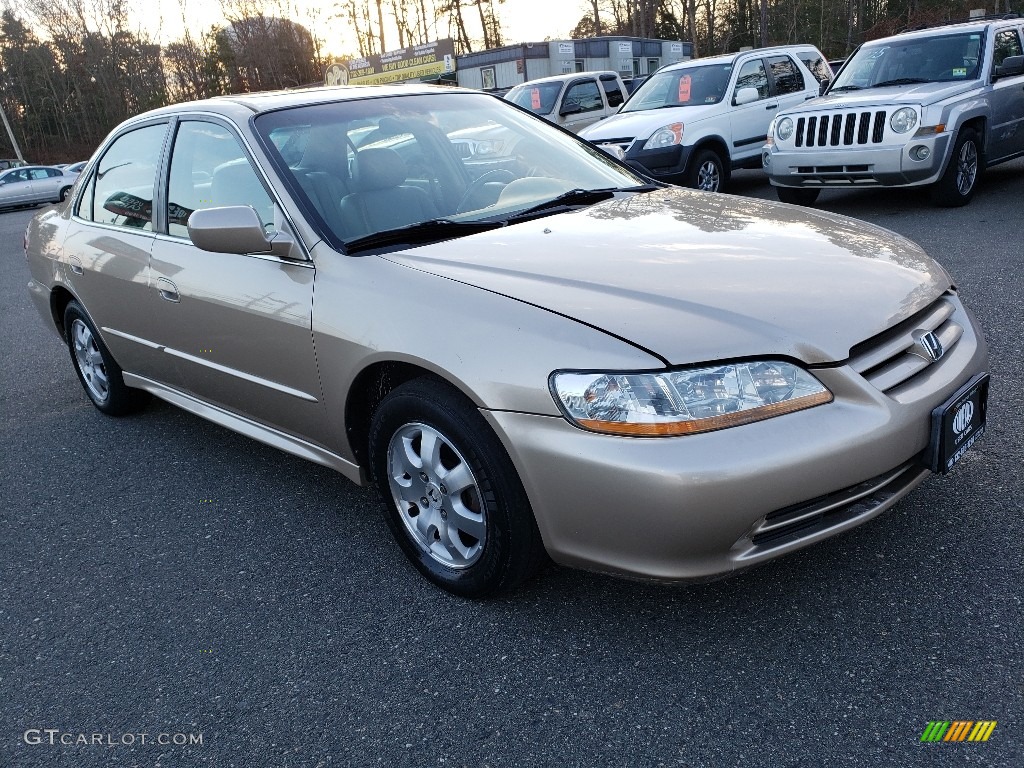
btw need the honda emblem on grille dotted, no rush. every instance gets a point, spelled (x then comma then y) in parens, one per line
(927, 345)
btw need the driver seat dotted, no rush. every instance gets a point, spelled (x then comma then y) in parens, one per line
(380, 200)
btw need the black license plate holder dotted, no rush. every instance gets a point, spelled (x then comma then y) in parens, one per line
(958, 424)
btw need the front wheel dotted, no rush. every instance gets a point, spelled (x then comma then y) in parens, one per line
(452, 498)
(797, 195)
(958, 183)
(707, 172)
(96, 368)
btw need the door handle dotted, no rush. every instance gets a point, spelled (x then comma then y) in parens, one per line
(772, 106)
(167, 290)
(76, 265)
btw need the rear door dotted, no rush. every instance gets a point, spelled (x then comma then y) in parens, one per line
(46, 184)
(106, 252)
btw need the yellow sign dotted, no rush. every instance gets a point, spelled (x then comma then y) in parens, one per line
(406, 73)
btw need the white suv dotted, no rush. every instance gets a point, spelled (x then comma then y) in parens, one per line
(692, 123)
(931, 107)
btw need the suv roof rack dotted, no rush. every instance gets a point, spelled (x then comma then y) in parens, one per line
(976, 19)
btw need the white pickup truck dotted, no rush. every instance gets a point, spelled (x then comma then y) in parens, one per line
(572, 101)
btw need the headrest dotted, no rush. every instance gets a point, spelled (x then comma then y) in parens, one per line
(379, 168)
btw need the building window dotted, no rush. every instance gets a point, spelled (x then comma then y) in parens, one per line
(652, 65)
(487, 78)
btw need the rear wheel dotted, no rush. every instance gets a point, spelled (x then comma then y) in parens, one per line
(797, 195)
(64, 193)
(452, 498)
(707, 171)
(96, 368)
(957, 185)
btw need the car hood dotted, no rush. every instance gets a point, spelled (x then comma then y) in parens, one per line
(695, 277)
(923, 93)
(643, 124)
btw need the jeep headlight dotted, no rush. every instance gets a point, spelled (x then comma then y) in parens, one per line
(666, 136)
(903, 120)
(784, 129)
(685, 401)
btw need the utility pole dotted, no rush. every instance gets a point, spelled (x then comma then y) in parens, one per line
(10, 133)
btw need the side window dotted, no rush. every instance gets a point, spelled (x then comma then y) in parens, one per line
(120, 190)
(752, 75)
(210, 169)
(786, 75)
(1007, 44)
(819, 67)
(39, 173)
(17, 176)
(586, 95)
(53, 173)
(612, 91)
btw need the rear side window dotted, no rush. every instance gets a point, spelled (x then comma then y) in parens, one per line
(612, 91)
(819, 67)
(786, 75)
(120, 190)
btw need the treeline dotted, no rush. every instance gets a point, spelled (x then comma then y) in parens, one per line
(73, 69)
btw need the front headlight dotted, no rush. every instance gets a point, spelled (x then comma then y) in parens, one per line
(784, 129)
(687, 400)
(903, 120)
(667, 136)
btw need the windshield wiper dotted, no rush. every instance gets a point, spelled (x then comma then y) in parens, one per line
(847, 88)
(575, 197)
(421, 232)
(901, 81)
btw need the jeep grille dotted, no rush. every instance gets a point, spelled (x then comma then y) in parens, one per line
(841, 129)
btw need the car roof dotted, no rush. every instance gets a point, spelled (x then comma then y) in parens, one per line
(570, 76)
(966, 26)
(729, 58)
(269, 101)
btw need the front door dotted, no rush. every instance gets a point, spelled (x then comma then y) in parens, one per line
(236, 330)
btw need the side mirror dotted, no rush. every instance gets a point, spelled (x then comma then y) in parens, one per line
(823, 86)
(236, 229)
(572, 108)
(745, 96)
(1012, 65)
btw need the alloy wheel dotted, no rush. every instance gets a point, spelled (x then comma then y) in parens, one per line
(90, 361)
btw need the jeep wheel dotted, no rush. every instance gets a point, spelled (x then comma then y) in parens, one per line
(707, 172)
(797, 195)
(957, 185)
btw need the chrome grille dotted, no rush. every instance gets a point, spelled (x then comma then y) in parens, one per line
(841, 129)
(894, 357)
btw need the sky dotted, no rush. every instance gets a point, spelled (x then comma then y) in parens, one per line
(522, 20)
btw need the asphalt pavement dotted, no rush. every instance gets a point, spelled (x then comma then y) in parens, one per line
(160, 575)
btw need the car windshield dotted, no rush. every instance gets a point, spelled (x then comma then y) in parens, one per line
(916, 60)
(684, 87)
(431, 166)
(539, 98)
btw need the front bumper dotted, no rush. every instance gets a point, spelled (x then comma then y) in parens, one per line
(667, 164)
(702, 506)
(892, 166)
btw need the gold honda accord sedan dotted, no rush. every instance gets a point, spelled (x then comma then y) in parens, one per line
(532, 350)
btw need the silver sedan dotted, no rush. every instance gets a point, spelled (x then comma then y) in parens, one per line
(34, 184)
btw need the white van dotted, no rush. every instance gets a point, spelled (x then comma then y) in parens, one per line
(572, 101)
(691, 123)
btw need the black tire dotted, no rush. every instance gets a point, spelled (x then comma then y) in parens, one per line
(707, 171)
(797, 195)
(962, 174)
(64, 194)
(96, 368)
(493, 504)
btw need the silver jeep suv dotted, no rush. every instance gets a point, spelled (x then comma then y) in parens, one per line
(929, 107)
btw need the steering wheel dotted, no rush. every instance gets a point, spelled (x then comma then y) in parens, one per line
(496, 175)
